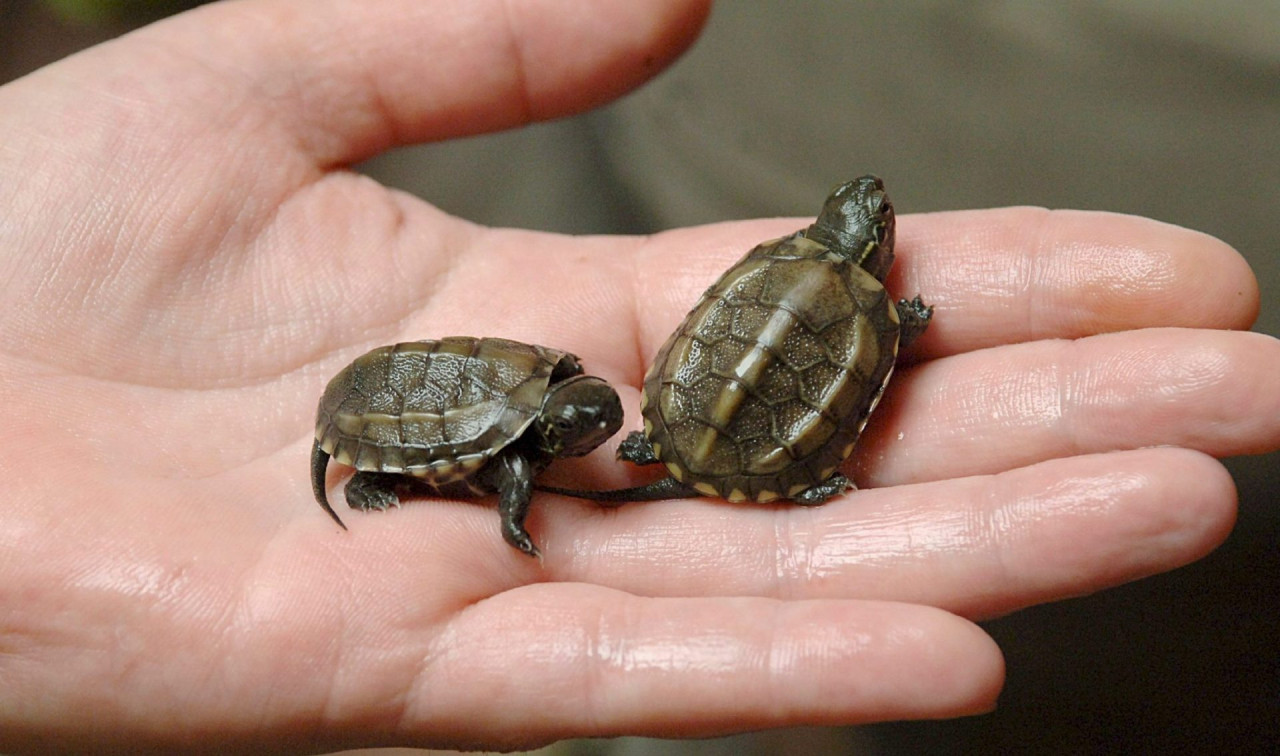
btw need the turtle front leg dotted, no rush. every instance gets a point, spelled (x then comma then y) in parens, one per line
(374, 490)
(914, 317)
(637, 450)
(512, 476)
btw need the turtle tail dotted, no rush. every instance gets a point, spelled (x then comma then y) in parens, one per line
(664, 488)
(319, 463)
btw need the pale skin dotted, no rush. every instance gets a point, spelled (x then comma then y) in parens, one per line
(186, 262)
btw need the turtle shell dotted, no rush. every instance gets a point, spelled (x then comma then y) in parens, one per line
(437, 410)
(764, 388)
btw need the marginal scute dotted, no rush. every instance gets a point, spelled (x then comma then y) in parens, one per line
(469, 463)
(706, 489)
(392, 459)
(367, 458)
(441, 470)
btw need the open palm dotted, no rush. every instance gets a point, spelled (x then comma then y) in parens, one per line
(186, 262)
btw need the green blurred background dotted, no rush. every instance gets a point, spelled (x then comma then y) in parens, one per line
(1164, 109)
(114, 11)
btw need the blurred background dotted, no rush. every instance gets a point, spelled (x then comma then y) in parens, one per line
(1165, 109)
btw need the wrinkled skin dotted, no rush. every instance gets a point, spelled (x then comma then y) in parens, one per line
(185, 262)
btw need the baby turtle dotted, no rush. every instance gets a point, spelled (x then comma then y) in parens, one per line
(763, 390)
(463, 416)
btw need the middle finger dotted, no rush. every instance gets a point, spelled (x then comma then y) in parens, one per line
(996, 409)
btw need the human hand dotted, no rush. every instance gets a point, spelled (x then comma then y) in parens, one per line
(186, 263)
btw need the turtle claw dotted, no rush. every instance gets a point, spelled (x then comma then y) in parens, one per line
(818, 494)
(520, 539)
(372, 490)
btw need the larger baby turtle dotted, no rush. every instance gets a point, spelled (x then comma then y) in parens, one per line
(463, 416)
(763, 390)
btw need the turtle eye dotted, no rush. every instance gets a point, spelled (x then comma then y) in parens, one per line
(563, 424)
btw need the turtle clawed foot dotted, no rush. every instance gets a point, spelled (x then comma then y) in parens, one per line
(637, 450)
(815, 495)
(371, 490)
(519, 538)
(914, 317)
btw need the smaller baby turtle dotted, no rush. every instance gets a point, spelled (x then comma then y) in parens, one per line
(762, 392)
(463, 416)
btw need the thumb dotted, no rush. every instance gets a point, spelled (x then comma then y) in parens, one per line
(349, 78)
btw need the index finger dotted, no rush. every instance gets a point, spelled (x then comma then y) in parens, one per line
(998, 276)
(1020, 274)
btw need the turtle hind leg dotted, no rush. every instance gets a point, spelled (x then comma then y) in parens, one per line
(374, 490)
(820, 492)
(914, 317)
(637, 450)
(319, 464)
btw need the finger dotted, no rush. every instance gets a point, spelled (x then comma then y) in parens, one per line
(1020, 274)
(977, 546)
(1011, 406)
(346, 79)
(996, 276)
(552, 661)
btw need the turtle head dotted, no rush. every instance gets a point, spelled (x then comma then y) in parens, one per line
(857, 223)
(577, 415)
